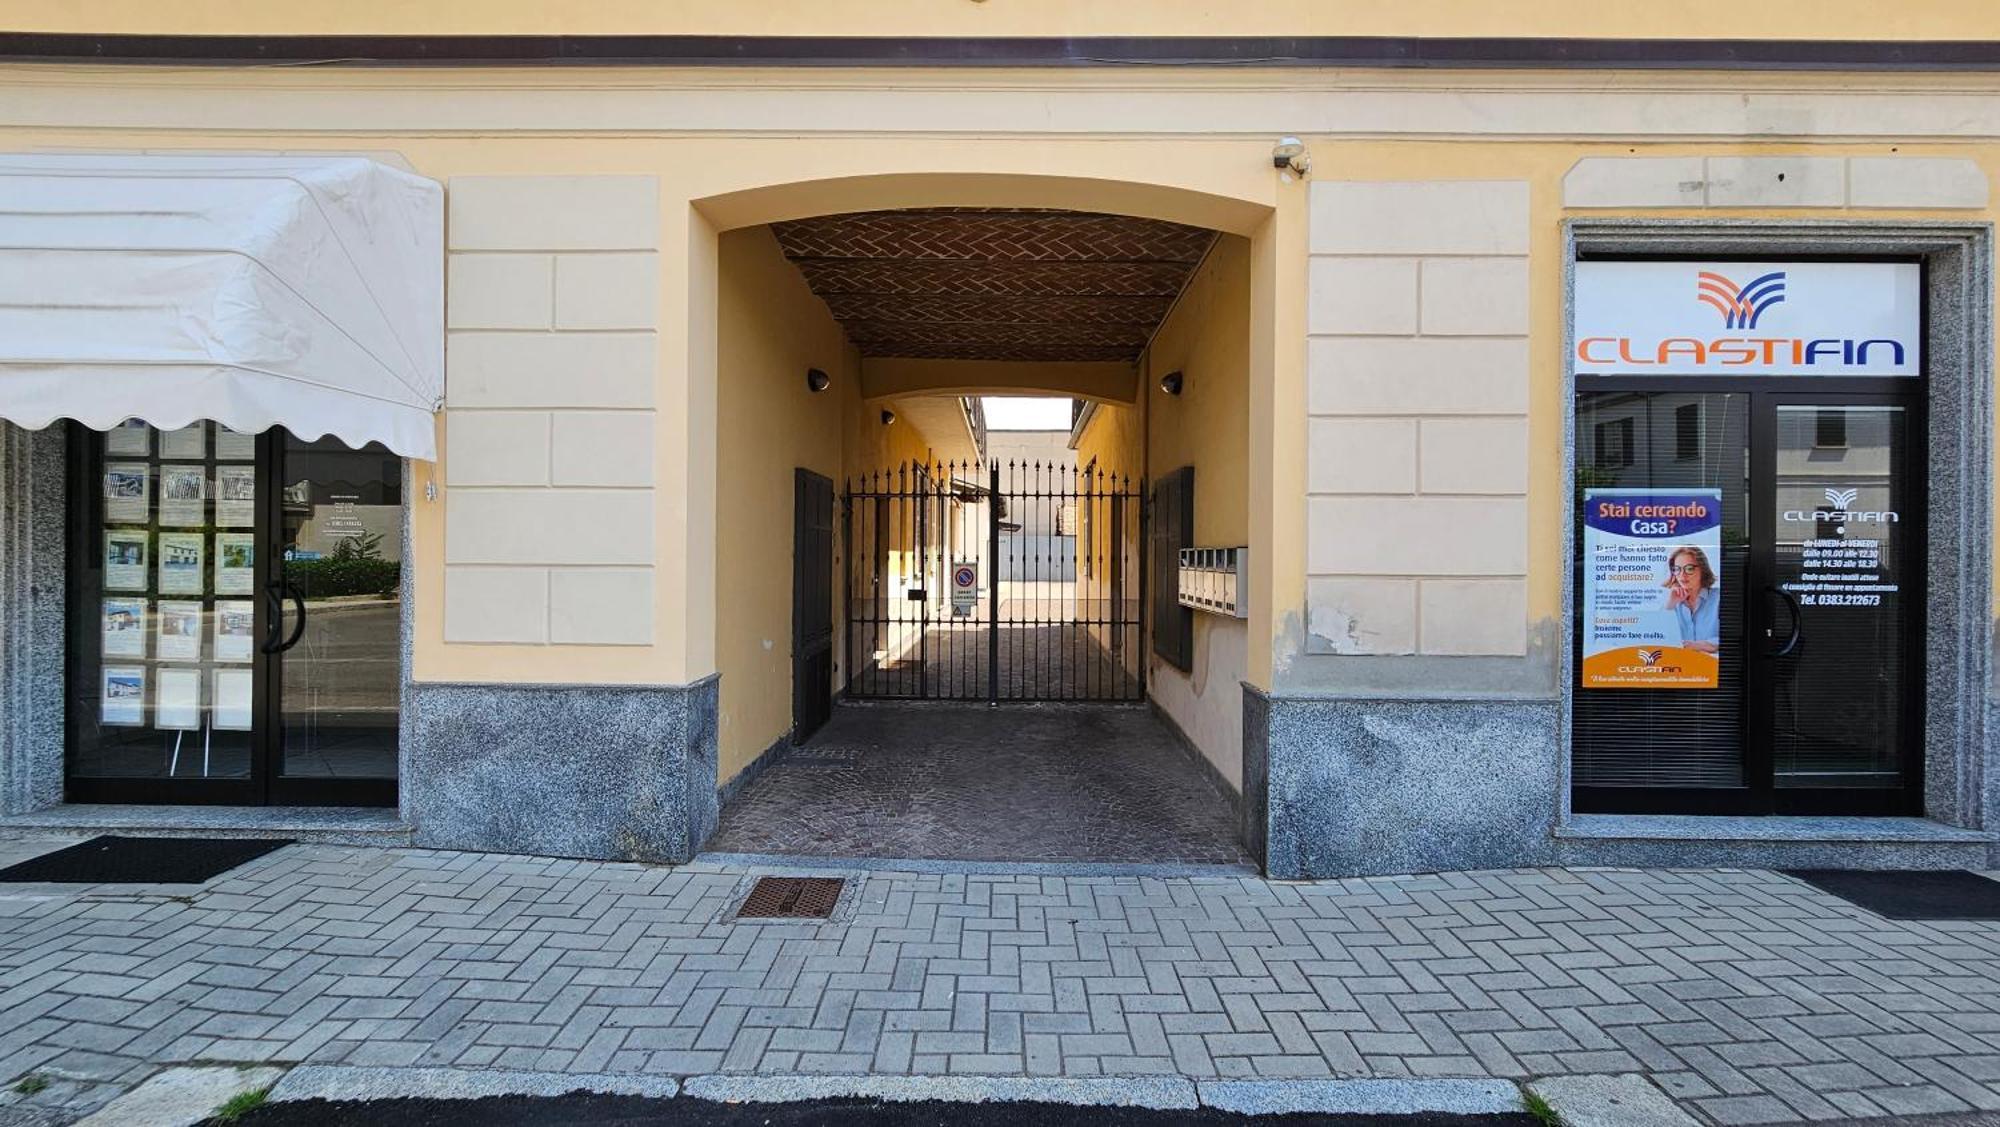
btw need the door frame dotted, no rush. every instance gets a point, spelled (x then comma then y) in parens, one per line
(265, 784)
(1764, 395)
(808, 644)
(1958, 445)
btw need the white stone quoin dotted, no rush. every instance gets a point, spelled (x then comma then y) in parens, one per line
(552, 366)
(1417, 385)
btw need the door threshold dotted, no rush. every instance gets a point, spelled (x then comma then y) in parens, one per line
(340, 825)
(1765, 828)
(783, 861)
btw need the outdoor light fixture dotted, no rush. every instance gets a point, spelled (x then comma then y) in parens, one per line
(1172, 381)
(888, 416)
(1290, 154)
(817, 380)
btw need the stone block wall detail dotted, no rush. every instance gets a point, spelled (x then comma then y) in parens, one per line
(1417, 370)
(1767, 182)
(553, 314)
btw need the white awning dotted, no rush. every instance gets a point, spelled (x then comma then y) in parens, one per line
(297, 291)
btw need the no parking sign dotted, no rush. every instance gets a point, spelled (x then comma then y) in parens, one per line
(964, 587)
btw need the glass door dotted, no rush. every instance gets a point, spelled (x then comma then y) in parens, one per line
(198, 671)
(338, 539)
(1842, 552)
(1807, 588)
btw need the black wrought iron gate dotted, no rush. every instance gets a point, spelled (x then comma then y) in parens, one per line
(1015, 581)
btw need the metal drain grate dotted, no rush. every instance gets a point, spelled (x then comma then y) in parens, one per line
(791, 898)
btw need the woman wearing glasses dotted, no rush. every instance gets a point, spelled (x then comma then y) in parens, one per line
(1691, 595)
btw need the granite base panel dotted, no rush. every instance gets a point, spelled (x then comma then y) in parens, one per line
(1691, 853)
(602, 772)
(1370, 787)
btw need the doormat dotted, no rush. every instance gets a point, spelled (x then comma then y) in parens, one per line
(1910, 895)
(142, 860)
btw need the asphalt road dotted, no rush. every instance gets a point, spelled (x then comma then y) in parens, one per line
(613, 1111)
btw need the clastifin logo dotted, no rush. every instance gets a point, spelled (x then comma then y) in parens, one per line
(1741, 306)
(1840, 510)
(1649, 657)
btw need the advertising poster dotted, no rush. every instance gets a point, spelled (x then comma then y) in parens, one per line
(235, 563)
(183, 495)
(180, 563)
(129, 438)
(178, 703)
(233, 447)
(233, 623)
(127, 486)
(124, 560)
(124, 628)
(180, 631)
(123, 697)
(188, 442)
(232, 700)
(235, 496)
(1652, 588)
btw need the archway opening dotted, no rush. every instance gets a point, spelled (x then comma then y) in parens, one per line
(983, 654)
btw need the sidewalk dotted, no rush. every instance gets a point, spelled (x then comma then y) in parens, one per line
(1747, 996)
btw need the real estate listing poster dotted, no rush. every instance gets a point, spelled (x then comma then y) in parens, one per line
(123, 696)
(188, 442)
(124, 628)
(183, 495)
(1652, 588)
(235, 496)
(231, 700)
(177, 699)
(230, 446)
(124, 560)
(235, 563)
(180, 631)
(234, 621)
(180, 563)
(127, 492)
(129, 438)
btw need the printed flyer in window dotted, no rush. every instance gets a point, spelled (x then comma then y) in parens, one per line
(1652, 588)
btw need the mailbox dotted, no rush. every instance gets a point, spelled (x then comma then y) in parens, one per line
(1214, 580)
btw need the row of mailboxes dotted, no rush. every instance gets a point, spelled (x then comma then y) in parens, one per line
(1216, 580)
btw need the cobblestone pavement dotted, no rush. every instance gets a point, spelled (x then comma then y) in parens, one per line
(968, 782)
(1747, 995)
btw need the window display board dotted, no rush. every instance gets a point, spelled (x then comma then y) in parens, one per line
(174, 626)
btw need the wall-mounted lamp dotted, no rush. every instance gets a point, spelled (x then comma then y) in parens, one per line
(817, 381)
(1172, 382)
(1290, 155)
(888, 416)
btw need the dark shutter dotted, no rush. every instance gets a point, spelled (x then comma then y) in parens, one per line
(1173, 529)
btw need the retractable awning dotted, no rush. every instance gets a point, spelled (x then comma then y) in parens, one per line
(297, 291)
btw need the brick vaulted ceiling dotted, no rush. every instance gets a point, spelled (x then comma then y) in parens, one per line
(995, 284)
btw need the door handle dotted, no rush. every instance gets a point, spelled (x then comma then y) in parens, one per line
(1798, 622)
(271, 644)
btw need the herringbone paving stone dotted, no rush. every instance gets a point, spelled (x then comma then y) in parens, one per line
(1748, 996)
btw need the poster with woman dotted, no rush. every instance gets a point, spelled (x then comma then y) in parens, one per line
(1652, 588)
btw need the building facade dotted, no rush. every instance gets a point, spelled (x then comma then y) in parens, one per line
(1605, 417)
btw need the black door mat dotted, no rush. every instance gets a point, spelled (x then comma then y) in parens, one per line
(142, 860)
(1911, 895)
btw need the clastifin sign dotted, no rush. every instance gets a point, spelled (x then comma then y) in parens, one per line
(1689, 317)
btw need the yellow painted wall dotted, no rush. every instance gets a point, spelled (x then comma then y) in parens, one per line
(1780, 19)
(1543, 165)
(1207, 339)
(771, 330)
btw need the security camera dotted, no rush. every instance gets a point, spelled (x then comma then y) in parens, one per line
(1290, 154)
